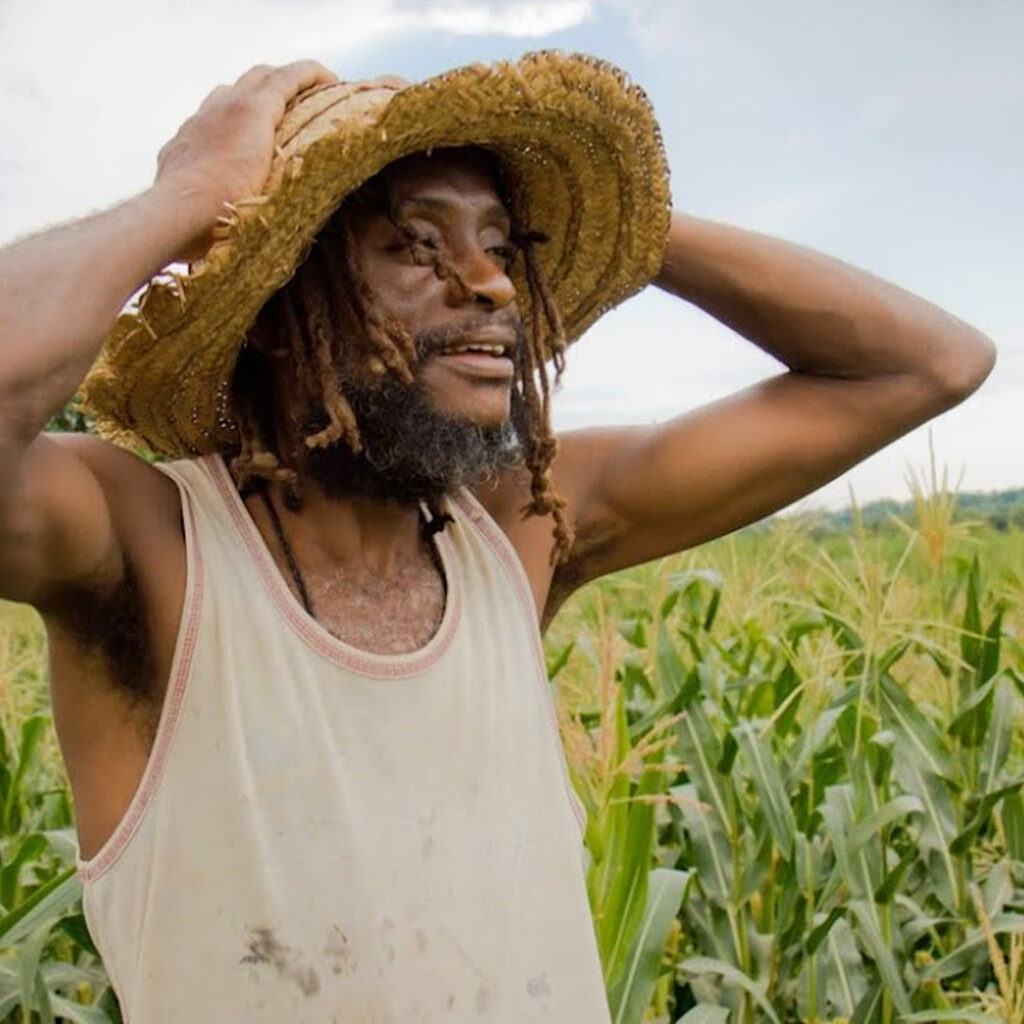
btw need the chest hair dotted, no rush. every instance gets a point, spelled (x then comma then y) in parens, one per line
(395, 613)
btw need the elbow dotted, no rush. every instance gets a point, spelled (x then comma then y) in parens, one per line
(966, 365)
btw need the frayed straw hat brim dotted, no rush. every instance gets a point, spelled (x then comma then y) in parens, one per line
(582, 152)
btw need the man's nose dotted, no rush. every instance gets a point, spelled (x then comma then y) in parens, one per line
(484, 279)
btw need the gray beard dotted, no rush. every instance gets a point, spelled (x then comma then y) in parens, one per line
(411, 452)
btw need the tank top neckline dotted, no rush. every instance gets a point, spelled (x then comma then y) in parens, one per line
(366, 663)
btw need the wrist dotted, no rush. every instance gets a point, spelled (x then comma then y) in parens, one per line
(702, 257)
(675, 246)
(186, 216)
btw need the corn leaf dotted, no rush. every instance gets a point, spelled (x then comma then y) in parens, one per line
(630, 998)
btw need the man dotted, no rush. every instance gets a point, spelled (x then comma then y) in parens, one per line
(297, 680)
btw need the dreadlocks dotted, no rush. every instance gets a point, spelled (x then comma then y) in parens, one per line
(328, 302)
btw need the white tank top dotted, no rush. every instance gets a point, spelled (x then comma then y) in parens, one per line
(326, 834)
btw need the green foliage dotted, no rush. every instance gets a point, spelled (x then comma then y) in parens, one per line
(71, 419)
(49, 968)
(842, 785)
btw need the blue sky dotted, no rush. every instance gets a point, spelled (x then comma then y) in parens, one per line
(889, 135)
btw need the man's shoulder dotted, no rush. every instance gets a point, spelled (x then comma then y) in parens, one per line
(144, 509)
(140, 497)
(113, 466)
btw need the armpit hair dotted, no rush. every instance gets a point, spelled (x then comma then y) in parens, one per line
(109, 623)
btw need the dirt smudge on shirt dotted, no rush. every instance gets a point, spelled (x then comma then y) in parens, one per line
(338, 953)
(264, 948)
(538, 986)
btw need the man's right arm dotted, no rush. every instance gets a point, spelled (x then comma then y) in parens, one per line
(60, 292)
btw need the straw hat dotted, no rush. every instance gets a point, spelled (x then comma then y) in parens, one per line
(584, 159)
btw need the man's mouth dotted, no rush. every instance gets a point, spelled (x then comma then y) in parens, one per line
(486, 352)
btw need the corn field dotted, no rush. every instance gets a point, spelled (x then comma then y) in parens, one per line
(801, 759)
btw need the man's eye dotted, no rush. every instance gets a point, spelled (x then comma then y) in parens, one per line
(506, 253)
(406, 244)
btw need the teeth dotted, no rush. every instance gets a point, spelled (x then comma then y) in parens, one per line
(494, 350)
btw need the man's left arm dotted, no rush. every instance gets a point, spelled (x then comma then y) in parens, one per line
(867, 363)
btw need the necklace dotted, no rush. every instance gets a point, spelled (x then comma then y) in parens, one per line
(428, 527)
(289, 557)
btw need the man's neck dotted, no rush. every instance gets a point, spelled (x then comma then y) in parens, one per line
(359, 533)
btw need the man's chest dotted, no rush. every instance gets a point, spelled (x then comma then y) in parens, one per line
(393, 614)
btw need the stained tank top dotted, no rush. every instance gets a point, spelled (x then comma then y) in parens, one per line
(331, 835)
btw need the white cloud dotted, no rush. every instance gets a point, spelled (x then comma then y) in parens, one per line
(657, 26)
(90, 92)
(530, 18)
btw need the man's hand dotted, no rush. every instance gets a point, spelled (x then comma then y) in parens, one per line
(224, 151)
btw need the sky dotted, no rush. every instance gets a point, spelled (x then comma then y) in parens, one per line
(888, 135)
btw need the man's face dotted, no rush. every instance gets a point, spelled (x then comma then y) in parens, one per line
(449, 200)
(460, 420)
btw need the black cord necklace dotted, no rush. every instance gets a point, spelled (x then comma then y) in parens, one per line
(289, 557)
(428, 528)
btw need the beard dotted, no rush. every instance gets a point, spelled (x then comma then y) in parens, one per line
(411, 452)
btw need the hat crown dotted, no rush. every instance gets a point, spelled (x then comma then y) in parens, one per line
(337, 108)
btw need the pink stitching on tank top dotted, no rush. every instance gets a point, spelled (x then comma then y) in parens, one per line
(110, 852)
(509, 558)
